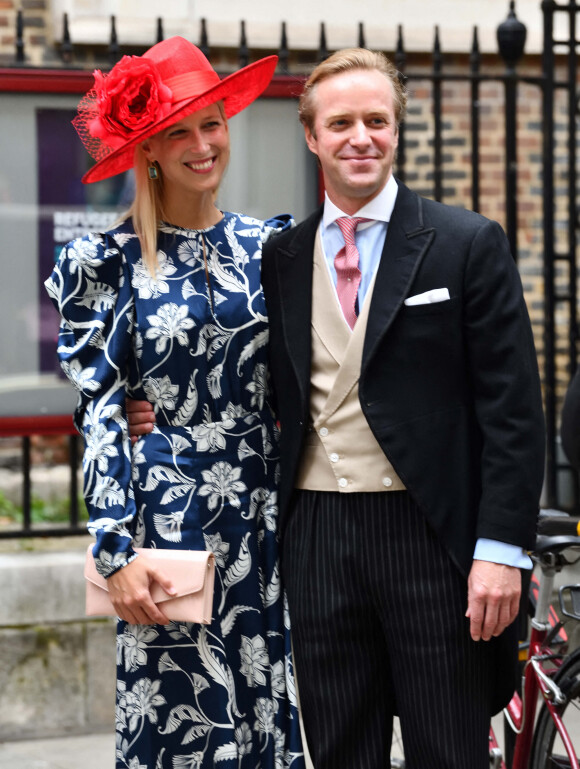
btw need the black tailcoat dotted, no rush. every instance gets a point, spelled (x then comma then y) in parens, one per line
(450, 390)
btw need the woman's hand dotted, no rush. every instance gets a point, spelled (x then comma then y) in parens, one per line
(141, 418)
(129, 590)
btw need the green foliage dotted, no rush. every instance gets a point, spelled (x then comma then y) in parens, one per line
(8, 510)
(42, 511)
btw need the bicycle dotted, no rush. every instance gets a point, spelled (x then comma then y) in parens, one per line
(550, 671)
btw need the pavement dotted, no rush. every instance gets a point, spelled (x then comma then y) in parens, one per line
(91, 751)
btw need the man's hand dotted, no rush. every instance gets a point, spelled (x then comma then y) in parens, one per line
(129, 590)
(493, 598)
(141, 418)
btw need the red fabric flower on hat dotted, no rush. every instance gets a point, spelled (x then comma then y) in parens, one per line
(130, 98)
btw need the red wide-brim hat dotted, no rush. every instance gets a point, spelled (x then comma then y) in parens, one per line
(143, 95)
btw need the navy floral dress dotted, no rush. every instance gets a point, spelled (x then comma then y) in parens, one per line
(192, 340)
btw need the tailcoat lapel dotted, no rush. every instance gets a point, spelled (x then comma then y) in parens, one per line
(407, 242)
(295, 296)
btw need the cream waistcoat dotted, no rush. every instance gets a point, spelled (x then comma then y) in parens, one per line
(341, 453)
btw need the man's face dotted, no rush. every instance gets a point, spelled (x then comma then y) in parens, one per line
(355, 136)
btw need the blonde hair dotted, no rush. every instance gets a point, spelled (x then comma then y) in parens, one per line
(347, 60)
(147, 209)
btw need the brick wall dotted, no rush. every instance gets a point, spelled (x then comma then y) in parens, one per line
(457, 180)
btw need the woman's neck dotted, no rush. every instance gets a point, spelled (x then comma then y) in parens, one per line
(196, 213)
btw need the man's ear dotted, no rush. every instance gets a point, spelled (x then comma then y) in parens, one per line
(311, 141)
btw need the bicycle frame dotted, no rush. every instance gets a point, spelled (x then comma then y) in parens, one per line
(521, 711)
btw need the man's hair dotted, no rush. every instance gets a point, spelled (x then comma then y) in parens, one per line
(347, 60)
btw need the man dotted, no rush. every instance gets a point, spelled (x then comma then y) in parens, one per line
(411, 444)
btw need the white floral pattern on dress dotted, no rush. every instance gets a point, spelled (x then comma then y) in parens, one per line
(188, 696)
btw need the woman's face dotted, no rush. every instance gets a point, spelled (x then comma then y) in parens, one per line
(193, 153)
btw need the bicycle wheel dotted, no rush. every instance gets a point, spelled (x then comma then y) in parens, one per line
(548, 751)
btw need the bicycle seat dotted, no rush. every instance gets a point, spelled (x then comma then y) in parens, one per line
(557, 531)
(555, 544)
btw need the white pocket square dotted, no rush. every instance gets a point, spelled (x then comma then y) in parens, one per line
(429, 297)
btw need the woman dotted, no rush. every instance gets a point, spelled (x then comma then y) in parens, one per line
(167, 306)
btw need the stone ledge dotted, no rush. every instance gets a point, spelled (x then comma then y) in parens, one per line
(39, 587)
(57, 668)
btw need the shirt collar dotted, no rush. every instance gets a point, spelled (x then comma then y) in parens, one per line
(379, 208)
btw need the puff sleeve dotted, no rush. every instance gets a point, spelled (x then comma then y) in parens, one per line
(276, 225)
(91, 288)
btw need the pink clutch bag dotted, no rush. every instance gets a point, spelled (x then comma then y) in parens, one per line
(191, 571)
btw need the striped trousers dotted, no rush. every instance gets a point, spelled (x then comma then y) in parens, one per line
(378, 627)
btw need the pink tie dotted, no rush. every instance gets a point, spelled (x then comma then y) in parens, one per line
(346, 265)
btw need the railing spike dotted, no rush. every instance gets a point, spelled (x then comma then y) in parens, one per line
(66, 49)
(475, 42)
(475, 55)
(244, 54)
(113, 45)
(203, 39)
(400, 55)
(323, 50)
(437, 44)
(283, 53)
(19, 54)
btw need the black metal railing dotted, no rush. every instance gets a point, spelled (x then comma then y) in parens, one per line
(560, 80)
(22, 431)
